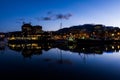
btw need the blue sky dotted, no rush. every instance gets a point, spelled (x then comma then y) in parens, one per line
(14, 12)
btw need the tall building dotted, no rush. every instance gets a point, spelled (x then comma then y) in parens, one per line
(26, 29)
(37, 29)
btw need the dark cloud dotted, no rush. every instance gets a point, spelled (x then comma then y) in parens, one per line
(50, 16)
(46, 18)
(67, 16)
(43, 18)
(63, 16)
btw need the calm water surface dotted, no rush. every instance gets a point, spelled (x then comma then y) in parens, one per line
(60, 63)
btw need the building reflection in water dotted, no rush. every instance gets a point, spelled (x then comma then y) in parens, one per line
(29, 49)
(36, 49)
(2, 47)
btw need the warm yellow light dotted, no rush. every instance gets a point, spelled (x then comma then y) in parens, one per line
(34, 45)
(28, 44)
(118, 33)
(106, 49)
(113, 47)
(38, 47)
(113, 34)
(34, 38)
(118, 47)
(13, 45)
(12, 38)
(83, 48)
(49, 46)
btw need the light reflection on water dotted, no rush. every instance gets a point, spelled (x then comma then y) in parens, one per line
(60, 61)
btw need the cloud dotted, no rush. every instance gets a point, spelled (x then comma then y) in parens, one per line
(43, 18)
(46, 18)
(50, 16)
(63, 16)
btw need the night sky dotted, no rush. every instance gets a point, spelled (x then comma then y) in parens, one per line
(14, 12)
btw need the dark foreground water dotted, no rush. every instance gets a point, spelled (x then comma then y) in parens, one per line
(65, 63)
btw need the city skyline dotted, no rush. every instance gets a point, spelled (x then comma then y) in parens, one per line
(14, 12)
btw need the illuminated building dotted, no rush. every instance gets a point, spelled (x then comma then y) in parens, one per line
(81, 32)
(37, 29)
(2, 36)
(28, 32)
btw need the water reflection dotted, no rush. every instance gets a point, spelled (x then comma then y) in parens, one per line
(36, 49)
(29, 49)
(2, 45)
(47, 59)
